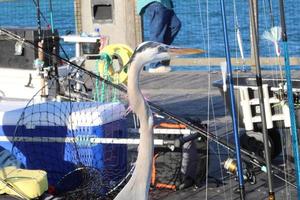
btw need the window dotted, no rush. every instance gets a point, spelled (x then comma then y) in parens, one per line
(102, 11)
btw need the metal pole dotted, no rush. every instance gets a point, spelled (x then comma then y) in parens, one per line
(54, 58)
(38, 11)
(290, 96)
(40, 51)
(51, 16)
(232, 102)
(255, 40)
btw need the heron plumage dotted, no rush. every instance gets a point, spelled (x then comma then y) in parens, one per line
(138, 185)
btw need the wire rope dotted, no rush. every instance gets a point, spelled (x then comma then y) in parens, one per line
(49, 26)
(247, 156)
(207, 45)
(269, 46)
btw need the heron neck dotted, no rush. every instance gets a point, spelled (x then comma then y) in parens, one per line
(144, 114)
(136, 99)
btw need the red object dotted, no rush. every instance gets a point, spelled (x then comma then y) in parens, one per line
(51, 189)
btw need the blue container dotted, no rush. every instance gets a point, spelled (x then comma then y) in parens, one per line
(38, 136)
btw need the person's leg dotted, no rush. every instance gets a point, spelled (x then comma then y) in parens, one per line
(189, 164)
(172, 31)
(173, 28)
(159, 18)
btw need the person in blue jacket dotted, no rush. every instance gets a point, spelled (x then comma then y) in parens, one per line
(163, 25)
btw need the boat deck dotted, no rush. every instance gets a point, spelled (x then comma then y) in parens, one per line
(189, 95)
(258, 191)
(186, 95)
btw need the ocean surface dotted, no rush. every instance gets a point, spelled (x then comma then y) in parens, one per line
(201, 23)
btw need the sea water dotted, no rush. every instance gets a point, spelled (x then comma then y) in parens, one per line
(201, 24)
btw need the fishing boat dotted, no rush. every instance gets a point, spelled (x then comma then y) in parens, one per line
(79, 106)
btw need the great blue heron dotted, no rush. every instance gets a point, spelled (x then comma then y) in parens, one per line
(137, 187)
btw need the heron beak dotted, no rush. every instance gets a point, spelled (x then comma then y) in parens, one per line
(176, 51)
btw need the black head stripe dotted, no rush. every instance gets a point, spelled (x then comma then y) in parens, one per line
(143, 47)
(147, 45)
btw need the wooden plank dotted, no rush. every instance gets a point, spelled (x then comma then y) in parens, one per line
(264, 61)
(138, 28)
(78, 19)
(131, 27)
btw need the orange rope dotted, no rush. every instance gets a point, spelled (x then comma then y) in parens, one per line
(172, 125)
(165, 186)
(153, 177)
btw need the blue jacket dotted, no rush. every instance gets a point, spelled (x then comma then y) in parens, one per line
(141, 4)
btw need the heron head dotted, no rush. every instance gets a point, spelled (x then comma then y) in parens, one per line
(151, 52)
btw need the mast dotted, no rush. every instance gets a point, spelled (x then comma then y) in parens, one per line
(232, 102)
(254, 32)
(290, 96)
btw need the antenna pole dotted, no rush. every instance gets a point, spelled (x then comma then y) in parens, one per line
(232, 102)
(290, 96)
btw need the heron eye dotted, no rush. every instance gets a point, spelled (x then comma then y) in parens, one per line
(161, 49)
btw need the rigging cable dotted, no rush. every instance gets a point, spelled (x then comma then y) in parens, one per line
(254, 32)
(50, 26)
(276, 39)
(207, 45)
(211, 112)
(41, 13)
(232, 103)
(267, 35)
(247, 156)
(208, 92)
(271, 13)
(295, 144)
